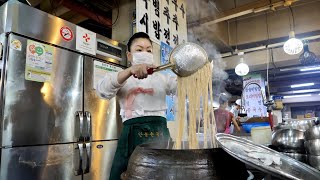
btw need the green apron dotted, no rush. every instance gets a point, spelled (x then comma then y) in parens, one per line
(135, 132)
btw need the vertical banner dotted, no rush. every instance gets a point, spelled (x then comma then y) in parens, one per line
(182, 19)
(171, 99)
(143, 16)
(163, 20)
(175, 24)
(156, 24)
(166, 22)
(253, 100)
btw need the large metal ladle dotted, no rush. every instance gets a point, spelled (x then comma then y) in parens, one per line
(185, 59)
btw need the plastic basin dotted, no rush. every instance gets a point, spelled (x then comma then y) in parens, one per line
(247, 126)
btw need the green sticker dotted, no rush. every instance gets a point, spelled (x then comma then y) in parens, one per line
(39, 51)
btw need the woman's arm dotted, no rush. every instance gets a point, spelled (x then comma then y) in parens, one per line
(109, 86)
(139, 71)
(234, 122)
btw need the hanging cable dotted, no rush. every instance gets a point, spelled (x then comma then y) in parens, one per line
(293, 21)
(235, 6)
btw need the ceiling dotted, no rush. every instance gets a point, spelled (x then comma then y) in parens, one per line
(95, 15)
(252, 32)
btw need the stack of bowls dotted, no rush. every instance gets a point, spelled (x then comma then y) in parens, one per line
(312, 146)
(290, 142)
(302, 125)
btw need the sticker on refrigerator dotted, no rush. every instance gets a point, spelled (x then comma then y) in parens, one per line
(66, 33)
(86, 41)
(39, 60)
(100, 69)
(15, 44)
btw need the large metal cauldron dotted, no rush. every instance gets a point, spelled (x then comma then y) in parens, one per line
(150, 162)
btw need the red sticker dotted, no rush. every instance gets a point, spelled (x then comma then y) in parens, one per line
(66, 33)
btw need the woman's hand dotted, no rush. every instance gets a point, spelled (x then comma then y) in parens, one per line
(140, 71)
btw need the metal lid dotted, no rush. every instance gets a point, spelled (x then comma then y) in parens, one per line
(282, 167)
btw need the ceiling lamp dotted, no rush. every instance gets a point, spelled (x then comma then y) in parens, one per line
(307, 57)
(293, 46)
(242, 68)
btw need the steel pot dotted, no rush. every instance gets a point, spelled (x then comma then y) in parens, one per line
(312, 147)
(148, 161)
(312, 133)
(288, 140)
(302, 125)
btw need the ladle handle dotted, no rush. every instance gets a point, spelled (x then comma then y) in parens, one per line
(159, 68)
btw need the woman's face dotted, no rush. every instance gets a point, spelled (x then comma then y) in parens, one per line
(139, 45)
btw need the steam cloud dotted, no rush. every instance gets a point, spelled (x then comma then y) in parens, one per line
(203, 9)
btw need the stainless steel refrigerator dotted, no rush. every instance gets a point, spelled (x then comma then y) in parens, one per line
(58, 129)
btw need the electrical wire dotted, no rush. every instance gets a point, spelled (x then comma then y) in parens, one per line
(293, 21)
(118, 12)
(292, 25)
(92, 7)
(52, 7)
(235, 6)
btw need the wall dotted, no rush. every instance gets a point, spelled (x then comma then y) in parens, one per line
(299, 108)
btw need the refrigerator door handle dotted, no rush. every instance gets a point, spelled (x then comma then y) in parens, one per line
(88, 117)
(79, 169)
(79, 114)
(88, 162)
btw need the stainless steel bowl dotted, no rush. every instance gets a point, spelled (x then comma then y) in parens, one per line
(312, 133)
(314, 161)
(297, 156)
(312, 147)
(288, 140)
(302, 125)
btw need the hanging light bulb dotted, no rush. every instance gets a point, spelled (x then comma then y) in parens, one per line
(293, 46)
(307, 57)
(242, 68)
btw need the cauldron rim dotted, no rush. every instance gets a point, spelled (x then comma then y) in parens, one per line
(160, 145)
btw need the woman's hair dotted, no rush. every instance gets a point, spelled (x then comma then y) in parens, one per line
(223, 98)
(136, 36)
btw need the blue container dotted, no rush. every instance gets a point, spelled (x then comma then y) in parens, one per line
(247, 126)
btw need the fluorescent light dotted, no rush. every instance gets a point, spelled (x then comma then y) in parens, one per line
(294, 96)
(310, 68)
(302, 85)
(302, 91)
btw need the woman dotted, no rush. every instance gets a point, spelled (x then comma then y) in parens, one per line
(142, 101)
(224, 118)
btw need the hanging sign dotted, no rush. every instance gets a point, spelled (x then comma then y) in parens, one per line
(253, 99)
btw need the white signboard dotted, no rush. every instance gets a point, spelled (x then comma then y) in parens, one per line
(253, 100)
(163, 20)
(100, 69)
(86, 41)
